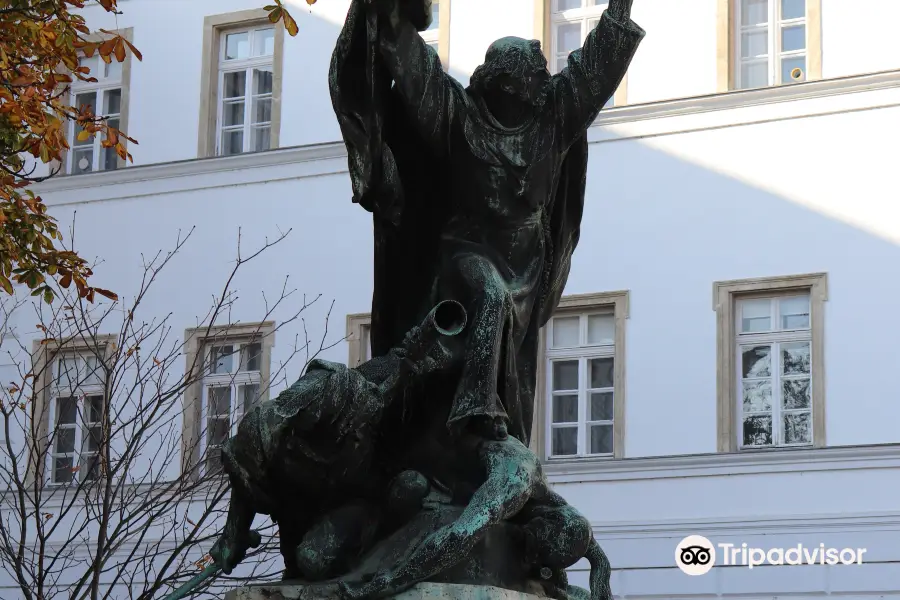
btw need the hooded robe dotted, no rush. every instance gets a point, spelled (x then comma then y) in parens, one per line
(441, 176)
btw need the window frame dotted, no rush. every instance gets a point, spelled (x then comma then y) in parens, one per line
(199, 343)
(123, 82)
(615, 303)
(729, 44)
(247, 66)
(215, 28)
(359, 344)
(43, 415)
(726, 296)
(547, 19)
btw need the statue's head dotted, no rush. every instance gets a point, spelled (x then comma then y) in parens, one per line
(418, 12)
(512, 67)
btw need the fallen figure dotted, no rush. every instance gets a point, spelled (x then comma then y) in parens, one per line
(555, 536)
(308, 460)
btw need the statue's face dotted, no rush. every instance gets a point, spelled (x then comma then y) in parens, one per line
(516, 67)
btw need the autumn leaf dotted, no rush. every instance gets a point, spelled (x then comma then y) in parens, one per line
(290, 24)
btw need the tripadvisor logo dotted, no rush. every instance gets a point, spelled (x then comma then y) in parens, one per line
(696, 555)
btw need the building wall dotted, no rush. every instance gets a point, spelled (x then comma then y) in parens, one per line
(684, 189)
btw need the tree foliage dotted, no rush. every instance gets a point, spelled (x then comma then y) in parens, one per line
(41, 43)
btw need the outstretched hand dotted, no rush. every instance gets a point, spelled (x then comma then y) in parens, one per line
(231, 548)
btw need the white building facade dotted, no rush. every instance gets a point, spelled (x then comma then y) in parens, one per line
(742, 209)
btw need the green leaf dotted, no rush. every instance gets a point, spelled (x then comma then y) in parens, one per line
(48, 295)
(6, 285)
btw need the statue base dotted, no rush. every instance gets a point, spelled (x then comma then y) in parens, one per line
(422, 591)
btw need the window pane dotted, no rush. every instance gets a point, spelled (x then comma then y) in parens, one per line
(757, 396)
(262, 110)
(66, 411)
(435, 15)
(601, 329)
(91, 442)
(262, 80)
(65, 440)
(217, 432)
(601, 439)
(565, 332)
(220, 401)
(264, 42)
(109, 159)
(568, 4)
(250, 357)
(113, 70)
(565, 409)
(793, 38)
(797, 428)
(89, 467)
(66, 371)
(754, 12)
(756, 362)
(249, 395)
(754, 75)
(755, 43)
(62, 469)
(237, 45)
(794, 312)
(793, 9)
(232, 142)
(568, 37)
(758, 431)
(561, 64)
(795, 393)
(565, 375)
(83, 159)
(235, 84)
(223, 359)
(601, 407)
(112, 104)
(93, 409)
(795, 358)
(261, 138)
(233, 114)
(793, 69)
(86, 101)
(564, 441)
(756, 315)
(601, 372)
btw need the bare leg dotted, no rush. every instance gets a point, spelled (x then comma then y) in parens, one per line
(512, 471)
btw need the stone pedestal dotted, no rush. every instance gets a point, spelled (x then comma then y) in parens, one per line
(422, 591)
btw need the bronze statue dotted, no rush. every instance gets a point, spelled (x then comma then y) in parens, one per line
(421, 466)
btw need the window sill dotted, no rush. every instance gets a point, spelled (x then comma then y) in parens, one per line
(745, 462)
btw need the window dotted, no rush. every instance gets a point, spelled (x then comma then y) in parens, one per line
(769, 42)
(75, 415)
(432, 34)
(107, 97)
(245, 91)
(358, 338)
(231, 373)
(570, 23)
(775, 332)
(582, 375)
(240, 109)
(230, 389)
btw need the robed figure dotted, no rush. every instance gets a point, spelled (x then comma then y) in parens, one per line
(476, 192)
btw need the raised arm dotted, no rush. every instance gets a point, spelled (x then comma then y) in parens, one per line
(430, 95)
(595, 70)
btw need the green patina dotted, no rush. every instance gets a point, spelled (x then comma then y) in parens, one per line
(415, 465)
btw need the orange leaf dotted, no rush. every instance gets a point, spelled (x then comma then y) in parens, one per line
(106, 293)
(134, 50)
(120, 50)
(290, 24)
(107, 47)
(66, 280)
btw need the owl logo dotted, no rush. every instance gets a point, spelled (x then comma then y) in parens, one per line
(695, 555)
